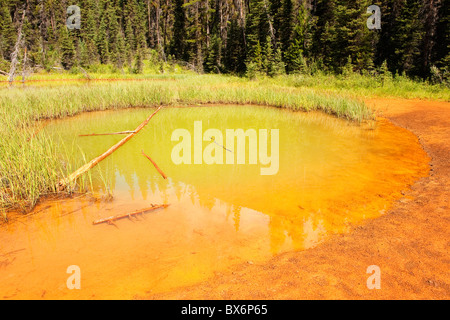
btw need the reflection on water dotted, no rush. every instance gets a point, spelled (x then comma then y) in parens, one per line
(332, 174)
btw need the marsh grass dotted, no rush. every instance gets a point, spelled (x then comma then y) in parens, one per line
(365, 86)
(30, 165)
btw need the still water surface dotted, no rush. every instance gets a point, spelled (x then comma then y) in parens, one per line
(332, 175)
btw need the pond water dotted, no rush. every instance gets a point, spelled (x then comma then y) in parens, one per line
(324, 176)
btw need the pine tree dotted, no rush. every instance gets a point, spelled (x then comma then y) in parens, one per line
(255, 66)
(89, 34)
(296, 62)
(267, 58)
(235, 55)
(278, 66)
(294, 54)
(140, 27)
(407, 38)
(84, 54)
(440, 55)
(67, 49)
(286, 28)
(178, 44)
(7, 32)
(353, 36)
(130, 43)
(120, 53)
(138, 61)
(102, 41)
(213, 58)
(114, 35)
(257, 27)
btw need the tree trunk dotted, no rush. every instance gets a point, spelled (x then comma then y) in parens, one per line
(14, 55)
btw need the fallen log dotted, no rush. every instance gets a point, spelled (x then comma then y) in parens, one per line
(105, 134)
(155, 165)
(64, 182)
(110, 220)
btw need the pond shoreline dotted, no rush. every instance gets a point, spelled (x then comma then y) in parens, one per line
(409, 243)
(41, 121)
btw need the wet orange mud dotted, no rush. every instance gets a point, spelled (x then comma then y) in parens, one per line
(402, 230)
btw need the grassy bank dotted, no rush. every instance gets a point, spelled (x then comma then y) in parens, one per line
(357, 85)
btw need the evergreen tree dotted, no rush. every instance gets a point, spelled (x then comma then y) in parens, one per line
(278, 66)
(257, 28)
(178, 44)
(235, 55)
(120, 52)
(267, 58)
(407, 38)
(138, 61)
(440, 55)
(7, 32)
(294, 53)
(102, 41)
(286, 28)
(114, 37)
(67, 49)
(213, 57)
(255, 65)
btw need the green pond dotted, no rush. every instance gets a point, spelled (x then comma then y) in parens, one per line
(298, 179)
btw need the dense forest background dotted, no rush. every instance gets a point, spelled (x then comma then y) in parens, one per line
(230, 36)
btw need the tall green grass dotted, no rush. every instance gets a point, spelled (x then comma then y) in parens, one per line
(30, 166)
(365, 86)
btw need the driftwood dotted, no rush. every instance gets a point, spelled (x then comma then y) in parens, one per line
(110, 220)
(155, 165)
(63, 183)
(105, 134)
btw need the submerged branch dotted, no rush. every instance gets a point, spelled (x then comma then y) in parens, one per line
(110, 220)
(155, 165)
(105, 134)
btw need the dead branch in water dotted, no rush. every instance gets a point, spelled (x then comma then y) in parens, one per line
(63, 183)
(105, 134)
(110, 220)
(155, 165)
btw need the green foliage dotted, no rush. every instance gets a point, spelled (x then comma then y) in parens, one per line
(213, 56)
(138, 66)
(67, 49)
(230, 36)
(7, 32)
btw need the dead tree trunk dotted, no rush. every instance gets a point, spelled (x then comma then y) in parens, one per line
(14, 55)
